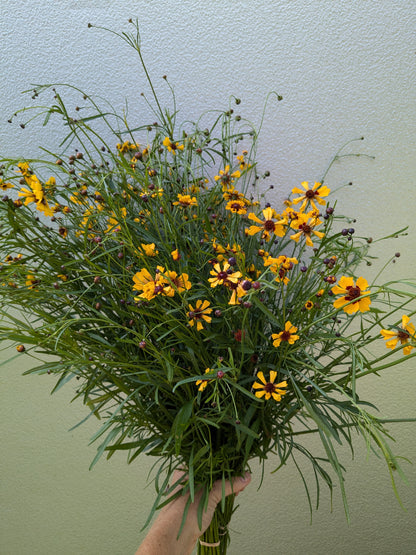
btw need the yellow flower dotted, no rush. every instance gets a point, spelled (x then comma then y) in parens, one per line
(355, 294)
(63, 231)
(143, 281)
(311, 195)
(200, 312)
(236, 207)
(175, 255)
(233, 194)
(126, 146)
(306, 223)
(113, 223)
(50, 184)
(4, 186)
(185, 201)
(268, 226)
(23, 168)
(225, 252)
(242, 160)
(280, 266)
(44, 207)
(226, 178)
(239, 289)
(174, 282)
(35, 193)
(203, 383)
(149, 249)
(222, 277)
(171, 146)
(288, 335)
(404, 334)
(269, 388)
(31, 281)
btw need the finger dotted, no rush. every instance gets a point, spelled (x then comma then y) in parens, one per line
(177, 481)
(235, 485)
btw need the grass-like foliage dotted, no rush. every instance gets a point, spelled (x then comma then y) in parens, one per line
(202, 325)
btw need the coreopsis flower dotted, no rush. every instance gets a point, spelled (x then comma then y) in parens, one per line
(239, 289)
(305, 224)
(269, 389)
(149, 249)
(185, 201)
(63, 231)
(268, 226)
(404, 333)
(24, 168)
(35, 193)
(288, 335)
(234, 194)
(308, 305)
(226, 178)
(50, 184)
(79, 197)
(126, 146)
(310, 195)
(171, 146)
(199, 314)
(241, 158)
(203, 383)
(354, 296)
(4, 186)
(175, 255)
(31, 281)
(44, 207)
(236, 207)
(174, 282)
(223, 276)
(144, 281)
(223, 252)
(113, 223)
(281, 266)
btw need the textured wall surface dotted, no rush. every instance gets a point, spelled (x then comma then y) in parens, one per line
(345, 69)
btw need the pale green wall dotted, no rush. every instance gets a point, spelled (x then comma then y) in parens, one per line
(345, 69)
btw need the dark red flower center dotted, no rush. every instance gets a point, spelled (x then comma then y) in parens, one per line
(353, 292)
(285, 335)
(403, 335)
(306, 228)
(269, 225)
(235, 206)
(222, 275)
(311, 194)
(269, 387)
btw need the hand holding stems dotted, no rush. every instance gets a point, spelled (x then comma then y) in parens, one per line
(162, 537)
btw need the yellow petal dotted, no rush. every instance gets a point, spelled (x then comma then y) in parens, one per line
(261, 377)
(362, 283)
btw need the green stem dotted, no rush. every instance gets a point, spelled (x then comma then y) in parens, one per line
(217, 534)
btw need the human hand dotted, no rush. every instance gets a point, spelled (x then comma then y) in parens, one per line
(162, 538)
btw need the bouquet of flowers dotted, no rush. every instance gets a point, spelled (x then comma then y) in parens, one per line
(201, 324)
